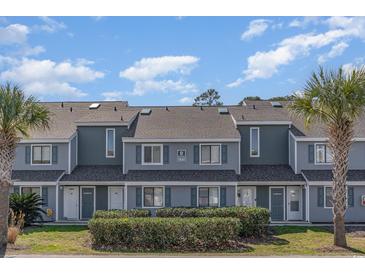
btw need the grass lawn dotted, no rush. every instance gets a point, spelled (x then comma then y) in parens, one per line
(285, 241)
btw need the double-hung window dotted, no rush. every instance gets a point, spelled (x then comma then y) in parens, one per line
(328, 200)
(254, 142)
(208, 197)
(210, 154)
(29, 190)
(153, 196)
(323, 154)
(110, 142)
(152, 155)
(41, 154)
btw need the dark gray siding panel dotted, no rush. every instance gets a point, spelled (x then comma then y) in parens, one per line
(188, 164)
(230, 195)
(62, 159)
(73, 153)
(291, 152)
(262, 196)
(321, 214)
(101, 201)
(91, 146)
(273, 145)
(60, 203)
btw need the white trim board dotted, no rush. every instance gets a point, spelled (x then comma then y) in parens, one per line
(178, 140)
(329, 183)
(37, 183)
(242, 123)
(271, 183)
(180, 183)
(93, 183)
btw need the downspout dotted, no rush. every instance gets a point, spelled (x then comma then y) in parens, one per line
(306, 197)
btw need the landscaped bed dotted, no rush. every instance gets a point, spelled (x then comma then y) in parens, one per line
(284, 241)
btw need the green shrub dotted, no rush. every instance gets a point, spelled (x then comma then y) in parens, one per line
(122, 213)
(179, 234)
(254, 220)
(28, 205)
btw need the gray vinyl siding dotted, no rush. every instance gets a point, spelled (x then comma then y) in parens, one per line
(101, 198)
(62, 159)
(356, 159)
(180, 196)
(321, 214)
(51, 203)
(262, 196)
(273, 145)
(188, 164)
(92, 144)
(291, 152)
(73, 153)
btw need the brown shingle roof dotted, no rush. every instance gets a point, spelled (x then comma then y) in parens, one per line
(185, 123)
(62, 121)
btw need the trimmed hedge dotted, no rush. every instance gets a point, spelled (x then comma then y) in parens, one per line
(122, 213)
(254, 220)
(179, 234)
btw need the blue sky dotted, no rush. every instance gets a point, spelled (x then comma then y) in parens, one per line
(171, 60)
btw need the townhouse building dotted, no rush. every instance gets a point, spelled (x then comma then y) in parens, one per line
(108, 155)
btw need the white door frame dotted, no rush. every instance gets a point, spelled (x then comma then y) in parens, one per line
(254, 194)
(81, 187)
(284, 204)
(300, 203)
(122, 195)
(77, 202)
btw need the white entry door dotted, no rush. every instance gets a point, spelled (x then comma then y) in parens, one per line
(246, 196)
(115, 197)
(71, 202)
(294, 198)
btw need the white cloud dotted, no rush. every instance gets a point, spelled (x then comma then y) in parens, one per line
(112, 95)
(31, 51)
(51, 25)
(335, 51)
(13, 34)
(147, 73)
(186, 100)
(264, 64)
(45, 77)
(255, 28)
(304, 22)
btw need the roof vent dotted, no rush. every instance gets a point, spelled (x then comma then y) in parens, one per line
(254, 106)
(121, 117)
(146, 111)
(223, 110)
(71, 109)
(276, 105)
(94, 106)
(201, 107)
(167, 108)
(61, 104)
(115, 108)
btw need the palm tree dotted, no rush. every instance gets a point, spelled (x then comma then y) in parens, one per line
(336, 99)
(18, 115)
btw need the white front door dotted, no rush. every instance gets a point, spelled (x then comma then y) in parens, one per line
(71, 202)
(115, 197)
(246, 196)
(294, 198)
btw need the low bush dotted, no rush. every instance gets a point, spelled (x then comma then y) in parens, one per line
(254, 220)
(178, 234)
(28, 204)
(122, 213)
(13, 233)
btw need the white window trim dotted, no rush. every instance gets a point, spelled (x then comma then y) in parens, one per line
(163, 197)
(325, 197)
(122, 196)
(315, 155)
(106, 142)
(220, 154)
(50, 154)
(197, 195)
(258, 142)
(80, 198)
(161, 154)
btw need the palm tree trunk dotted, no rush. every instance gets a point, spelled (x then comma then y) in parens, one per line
(340, 140)
(7, 156)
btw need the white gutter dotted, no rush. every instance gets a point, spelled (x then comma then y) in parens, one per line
(177, 140)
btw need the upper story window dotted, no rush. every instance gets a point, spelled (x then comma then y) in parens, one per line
(208, 197)
(110, 142)
(153, 197)
(254, 142)
(210, 154)
(323, 154)
(41, 154)
(152, 155)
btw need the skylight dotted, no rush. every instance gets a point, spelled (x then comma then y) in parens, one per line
(223, 110)
(146, 111)
(94, 106)
(276, 105)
